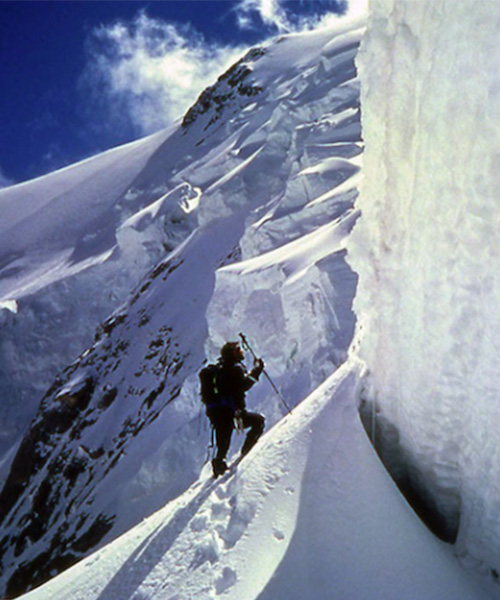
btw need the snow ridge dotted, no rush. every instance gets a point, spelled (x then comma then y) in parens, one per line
(309, 512)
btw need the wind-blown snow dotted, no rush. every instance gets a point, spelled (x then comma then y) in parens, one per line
(426, 251)
(311, 513)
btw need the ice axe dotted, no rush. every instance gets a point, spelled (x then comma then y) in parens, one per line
(247, 346)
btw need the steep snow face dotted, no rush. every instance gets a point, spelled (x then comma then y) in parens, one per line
(255, 190)
(427, 253)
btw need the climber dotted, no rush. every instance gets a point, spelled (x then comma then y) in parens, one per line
(223, 388)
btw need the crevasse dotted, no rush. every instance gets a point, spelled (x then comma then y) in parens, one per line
(427, 252)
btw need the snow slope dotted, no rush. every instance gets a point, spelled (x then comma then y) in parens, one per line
(64, 267)
(426, 251)
(310, 513)
(253, 191)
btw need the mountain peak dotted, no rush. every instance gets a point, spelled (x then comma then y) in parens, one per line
(233, 87)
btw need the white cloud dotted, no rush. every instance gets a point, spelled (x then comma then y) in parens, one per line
(153, 70)
(357, 8)
(270, 11)
(297, 16)
(145, 73)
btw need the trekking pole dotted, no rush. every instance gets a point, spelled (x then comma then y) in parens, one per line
(249, 348)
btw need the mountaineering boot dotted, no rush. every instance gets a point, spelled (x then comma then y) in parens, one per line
(219, 466)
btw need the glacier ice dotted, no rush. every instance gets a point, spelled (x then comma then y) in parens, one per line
(427, 253)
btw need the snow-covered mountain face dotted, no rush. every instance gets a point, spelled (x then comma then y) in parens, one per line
(66, 263)
(426, 251)
(248, 202)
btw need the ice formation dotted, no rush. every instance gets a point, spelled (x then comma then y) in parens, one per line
(427, 254)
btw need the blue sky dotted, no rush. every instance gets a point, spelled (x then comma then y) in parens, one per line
(79, 77)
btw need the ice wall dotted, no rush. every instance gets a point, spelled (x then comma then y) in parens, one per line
(428, 255)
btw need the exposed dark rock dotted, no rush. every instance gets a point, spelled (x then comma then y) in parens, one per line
(144, 320)
(28, 461)
(94, 454)
(148, 402)
(59, 557)
(108, 398)
(94, 534)
(232, 84)
(33, 451)
(78, 399)
(110, 323)
(32, 574)
(75, 468)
